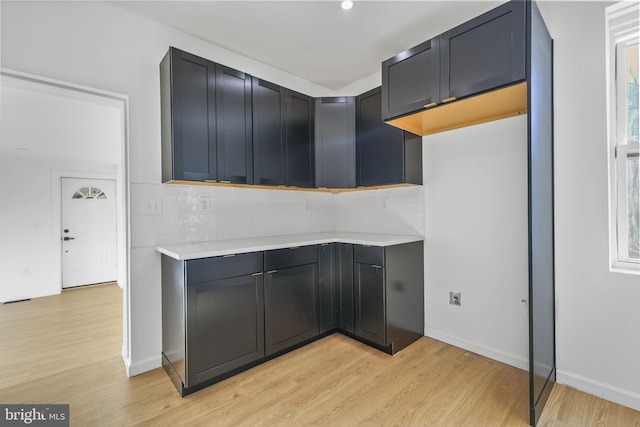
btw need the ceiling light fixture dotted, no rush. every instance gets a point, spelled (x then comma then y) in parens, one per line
(346, 4)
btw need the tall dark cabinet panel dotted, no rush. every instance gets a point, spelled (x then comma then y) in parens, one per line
(327, 286)
(344, 285)
(381, 157)
(268, 119)
(233, 118)
(299, 136)
(484, 53)
(411, 80)
(188, 85)
(335, 142)
(542, 357)
(291, 296)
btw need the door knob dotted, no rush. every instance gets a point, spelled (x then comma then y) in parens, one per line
(65, 238)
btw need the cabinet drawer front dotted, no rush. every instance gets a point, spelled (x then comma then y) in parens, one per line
(373, 255)
(215, 268)
(290, 257)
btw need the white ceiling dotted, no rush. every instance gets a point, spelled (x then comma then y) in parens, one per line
(314, 40)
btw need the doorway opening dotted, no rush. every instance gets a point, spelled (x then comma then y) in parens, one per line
(54, 132)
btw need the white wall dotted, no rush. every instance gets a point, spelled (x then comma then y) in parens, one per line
(598, 320)
(475, 181)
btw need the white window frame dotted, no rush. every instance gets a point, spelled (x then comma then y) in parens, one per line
(622, 29)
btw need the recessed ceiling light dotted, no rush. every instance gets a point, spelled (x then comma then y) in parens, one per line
(346, 4)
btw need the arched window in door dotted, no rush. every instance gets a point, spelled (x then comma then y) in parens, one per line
(89, 193)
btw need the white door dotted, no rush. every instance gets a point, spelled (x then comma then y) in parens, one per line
(88, 231)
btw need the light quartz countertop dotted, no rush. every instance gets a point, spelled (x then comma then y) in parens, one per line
(187, 251)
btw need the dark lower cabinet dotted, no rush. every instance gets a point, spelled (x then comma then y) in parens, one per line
(291, 297)
(225, 325)
(370, 303)
(389, 294)
(344, 286)
(327, 287)
(225, 314)
(212, 317)
(384, 154)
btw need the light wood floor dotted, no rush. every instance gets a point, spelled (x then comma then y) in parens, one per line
(66, 349)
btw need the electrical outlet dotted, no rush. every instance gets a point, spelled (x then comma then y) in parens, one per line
(153, 206)
(455, 298)
(205, 204)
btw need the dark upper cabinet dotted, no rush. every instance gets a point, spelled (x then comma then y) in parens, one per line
(411, 79)
(188, 85)
(299, 140)
(335, 142)
(484, 53)
(233, 122)
(384, 154)
(282, 136)
(268, 118)
(206, 120)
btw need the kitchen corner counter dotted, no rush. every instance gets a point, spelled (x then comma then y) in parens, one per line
(187, 251)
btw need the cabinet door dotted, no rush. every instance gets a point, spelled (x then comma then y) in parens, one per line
(344, 277)
(233, 118)
(290, 306)
(268, 135)
(188, 117)
(299, 136)
(485, 53)
(379, 147)
(370, 321)
(411, 80)
(335, 142)
(327, 295)
(225, 325)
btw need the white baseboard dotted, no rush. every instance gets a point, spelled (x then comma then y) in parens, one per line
(137, 368)
(492, 353)
(605, 391)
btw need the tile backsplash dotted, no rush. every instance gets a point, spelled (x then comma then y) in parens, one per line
(168, 213)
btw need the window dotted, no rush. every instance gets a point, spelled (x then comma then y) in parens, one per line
(89, 193)
(624, 157)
